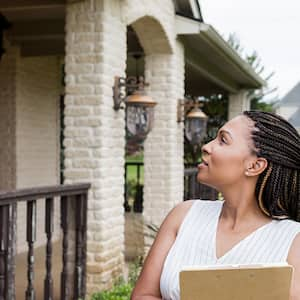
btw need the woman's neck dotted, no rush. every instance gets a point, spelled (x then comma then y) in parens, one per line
(241, 207)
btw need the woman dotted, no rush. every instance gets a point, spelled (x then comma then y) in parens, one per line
(255, 163)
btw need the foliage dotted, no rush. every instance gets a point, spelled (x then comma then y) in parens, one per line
(122, 290)
(135, 270)
(131, 188)
(264, 98)
(134, 144)
(153, 230)
(216, 108)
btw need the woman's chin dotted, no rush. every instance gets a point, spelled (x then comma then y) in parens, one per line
(202, 180)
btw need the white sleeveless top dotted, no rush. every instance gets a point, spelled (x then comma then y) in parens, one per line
(195, 244)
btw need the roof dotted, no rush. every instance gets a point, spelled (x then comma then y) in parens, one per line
(295, 119)
(212, 57)
(292, 97)
(188, 8)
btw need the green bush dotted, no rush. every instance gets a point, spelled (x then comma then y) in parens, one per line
(118, 292)
(122, 290)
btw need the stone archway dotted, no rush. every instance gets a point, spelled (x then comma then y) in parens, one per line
(163, 148)
(145, 37)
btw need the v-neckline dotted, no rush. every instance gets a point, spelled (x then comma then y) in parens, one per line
(236, 245)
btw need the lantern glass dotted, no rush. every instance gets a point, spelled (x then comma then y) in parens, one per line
(195, 130)
(139, 119)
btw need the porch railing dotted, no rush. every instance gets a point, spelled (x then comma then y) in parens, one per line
(192, 188)
(73, 219)
(195, 190)
(134, 186)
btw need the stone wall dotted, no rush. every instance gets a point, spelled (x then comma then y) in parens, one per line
(8, 65)
(95, 132)
(37, 136)
(164, 146)
(134, 236)
(238, 103)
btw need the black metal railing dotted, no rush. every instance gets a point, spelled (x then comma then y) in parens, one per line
(195, 190)
(192, 188)
(134, 187)
(73, 204)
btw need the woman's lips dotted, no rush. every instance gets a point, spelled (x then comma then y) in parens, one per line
(203, 165)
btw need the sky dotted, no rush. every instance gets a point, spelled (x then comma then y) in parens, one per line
(270, 27)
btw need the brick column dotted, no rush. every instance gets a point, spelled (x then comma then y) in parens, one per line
(238, 103)
(95, 133)
(164, 168)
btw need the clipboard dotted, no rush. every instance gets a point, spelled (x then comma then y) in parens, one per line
(236, 282)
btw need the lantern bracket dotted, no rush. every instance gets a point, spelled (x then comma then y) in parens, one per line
(125, 86)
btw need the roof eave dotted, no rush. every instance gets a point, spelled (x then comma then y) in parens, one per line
(207, 34)
(221, 45)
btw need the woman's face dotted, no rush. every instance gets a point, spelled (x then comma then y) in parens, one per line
(225, 159)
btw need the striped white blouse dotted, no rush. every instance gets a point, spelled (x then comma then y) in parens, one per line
(195, 245)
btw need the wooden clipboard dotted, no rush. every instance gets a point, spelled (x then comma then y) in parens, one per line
(252, 282)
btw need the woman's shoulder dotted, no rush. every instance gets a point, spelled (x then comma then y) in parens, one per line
(188, 205)
(189, 210)
(288, 224)
(294, 251)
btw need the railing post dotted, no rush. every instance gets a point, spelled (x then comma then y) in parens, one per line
(80, 227)
(64, 225)
(3, 243)
(11, 251)
(31, 237)
(74, 226)
(48, 282)
(126, 204)
(84, 232)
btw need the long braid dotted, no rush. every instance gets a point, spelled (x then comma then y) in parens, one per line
(278, 187)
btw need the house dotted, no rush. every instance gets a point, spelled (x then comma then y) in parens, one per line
(289, 106)
(57, 75)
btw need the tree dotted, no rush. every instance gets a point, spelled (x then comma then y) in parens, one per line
(258, 98)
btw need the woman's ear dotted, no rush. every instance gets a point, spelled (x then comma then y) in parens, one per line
(257, 167)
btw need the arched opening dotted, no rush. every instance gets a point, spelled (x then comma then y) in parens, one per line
(145, 37)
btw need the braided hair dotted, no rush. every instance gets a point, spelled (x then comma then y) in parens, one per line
(278, 186)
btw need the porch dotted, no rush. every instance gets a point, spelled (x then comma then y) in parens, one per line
(56, 269)
(59, 272)
(85, 44)
(40, 272)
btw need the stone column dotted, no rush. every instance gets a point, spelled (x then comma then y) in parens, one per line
(164, 167)
(8, 75)
(8, 91)
(238, 103)
(94, 131)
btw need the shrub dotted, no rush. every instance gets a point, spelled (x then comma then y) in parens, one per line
(122, 290)
(118, 292)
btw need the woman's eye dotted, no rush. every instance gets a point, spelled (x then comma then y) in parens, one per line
(223, 139)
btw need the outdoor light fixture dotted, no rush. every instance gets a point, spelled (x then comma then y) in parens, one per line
(139, 107)
(195, 120)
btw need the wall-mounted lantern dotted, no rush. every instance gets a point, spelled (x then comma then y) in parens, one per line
(139, 107)
(195, 120)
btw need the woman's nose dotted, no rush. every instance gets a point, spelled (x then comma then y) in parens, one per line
(205, 148)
